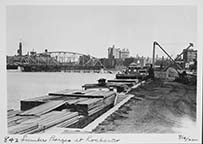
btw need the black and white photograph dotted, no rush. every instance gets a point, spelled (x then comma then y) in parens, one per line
(102, 70)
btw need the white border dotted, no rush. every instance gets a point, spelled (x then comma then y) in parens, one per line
(125, 138)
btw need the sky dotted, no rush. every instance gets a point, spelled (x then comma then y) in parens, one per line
(92, 29)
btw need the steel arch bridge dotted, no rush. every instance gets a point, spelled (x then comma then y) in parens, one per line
(75, 58)
(57, 60)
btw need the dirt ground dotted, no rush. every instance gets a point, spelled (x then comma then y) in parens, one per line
(157, 107)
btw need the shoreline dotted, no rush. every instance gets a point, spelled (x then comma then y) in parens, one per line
(156, 107)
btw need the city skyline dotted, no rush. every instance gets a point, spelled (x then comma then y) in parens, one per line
(92, 29)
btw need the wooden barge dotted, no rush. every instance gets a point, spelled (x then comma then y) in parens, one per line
(131, 76)
(64, 109)
(121, 85)
(69, 108)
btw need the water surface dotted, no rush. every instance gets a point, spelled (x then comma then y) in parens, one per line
(22, 85)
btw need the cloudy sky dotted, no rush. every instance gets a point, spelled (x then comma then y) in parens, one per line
(92, 29)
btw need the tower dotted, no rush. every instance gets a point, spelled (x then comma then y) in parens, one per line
(19, 51)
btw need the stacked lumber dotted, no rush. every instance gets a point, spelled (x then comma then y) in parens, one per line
(51, 120)
(66, 92)
(85, 106)
(43, 108)
(124, 80)
(67, 108)
(12, 113)
(71, 121)
(13, 117)
(107, 103)
(22, 128)
(83, 93)
(89, 86)
(15, 120)
(90, 106)
(120, 86)
(45, 121)
(33, 102)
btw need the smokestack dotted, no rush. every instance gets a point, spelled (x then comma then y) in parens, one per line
(20, 49)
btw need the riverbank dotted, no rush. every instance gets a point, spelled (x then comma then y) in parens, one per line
(157, 107)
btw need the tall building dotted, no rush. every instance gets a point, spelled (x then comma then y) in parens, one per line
(124, 53)
(113, 52)
(189, 55)
(117, 53)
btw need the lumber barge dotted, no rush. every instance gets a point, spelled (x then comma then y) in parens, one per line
(63, 109)
(121, 85)
(69, 108)
(131, 76)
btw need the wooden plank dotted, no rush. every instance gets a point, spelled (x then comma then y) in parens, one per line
(87, 86)
(13, 113)
(44, 108)
(109, 100)
(124, 80)
(39, 98)
(70, 122)
(52, 116)
(65, 92)
(75, 101)
(21, 129)
(13, 120)
(90, 101)
(47, 123)
(43, 122)
(45, 98)
(87, 94)
(33, 102)
(49, 115)
(95, 110)
(89, 104)
(78, 95)
(94, 105)
(18, 120)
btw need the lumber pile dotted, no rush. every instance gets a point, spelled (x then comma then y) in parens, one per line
(67, 108)
(120, 87)
(13, 117)
(15, 120)
(83, 93)
(33, 102)
(11, 113)
(124, 80)
(43, 108)
(90, 106)
(85, 106)
(71, 121)
(22, 129)
(64, 118)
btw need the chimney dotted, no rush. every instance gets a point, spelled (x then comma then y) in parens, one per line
(19, 51)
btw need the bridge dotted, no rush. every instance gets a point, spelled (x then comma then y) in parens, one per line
(54, 61)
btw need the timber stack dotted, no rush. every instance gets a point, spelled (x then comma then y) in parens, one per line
(66, 109)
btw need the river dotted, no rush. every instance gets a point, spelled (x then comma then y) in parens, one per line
(23, 85)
